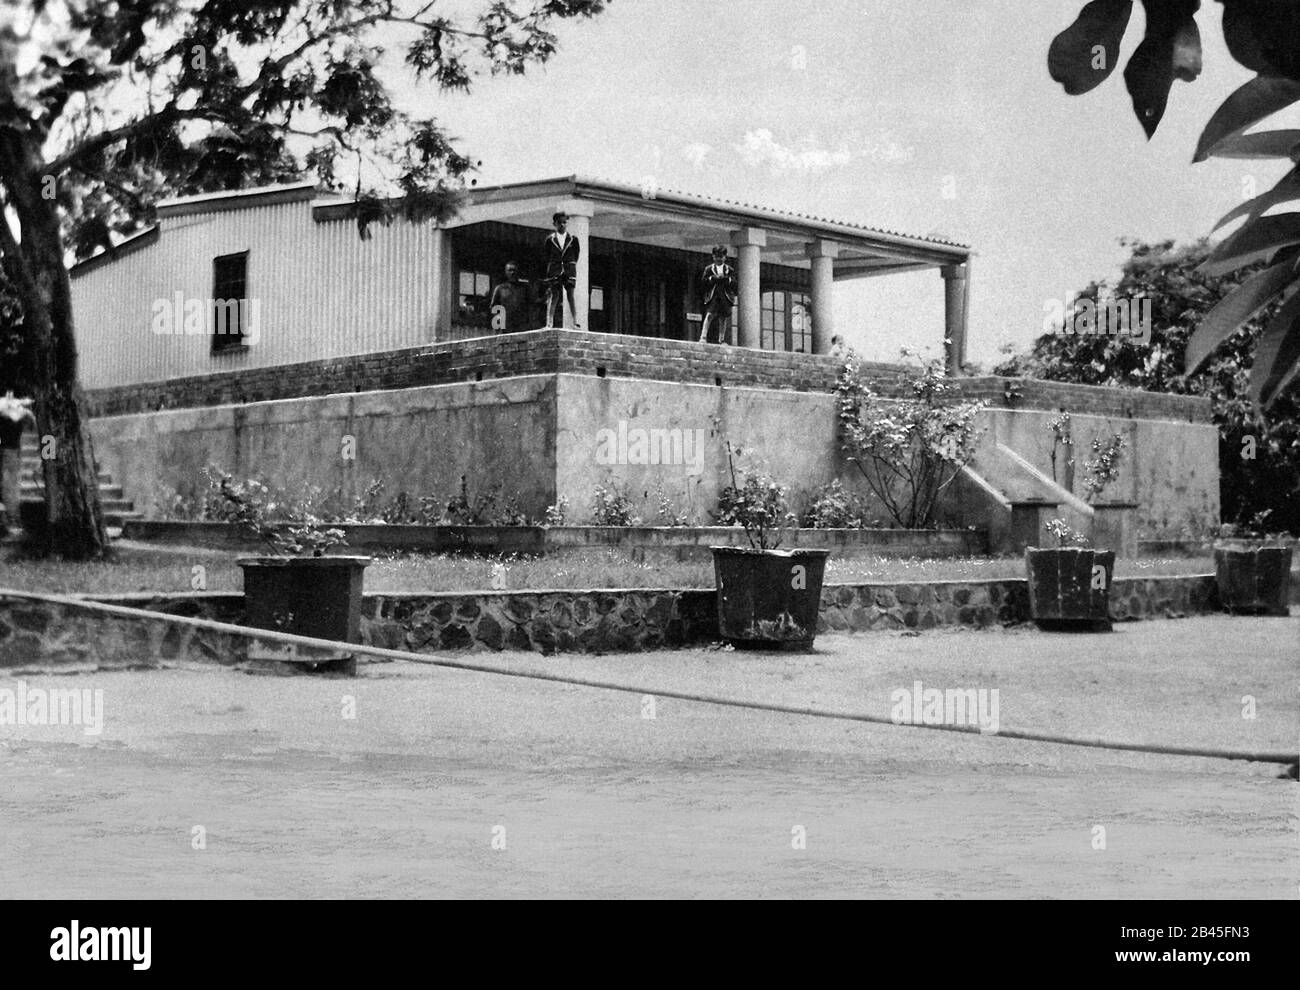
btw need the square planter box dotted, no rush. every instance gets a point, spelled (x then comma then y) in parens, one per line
(769, 597)
(306, 596)
(1069, 587)
(1253, 579)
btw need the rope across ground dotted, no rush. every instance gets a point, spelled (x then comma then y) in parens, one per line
(1291, 760)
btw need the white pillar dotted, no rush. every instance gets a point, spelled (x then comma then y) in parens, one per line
(822, 255)
(955, 279)
(749, 243)
(580, 212)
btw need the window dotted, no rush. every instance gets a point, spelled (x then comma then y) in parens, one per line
(229, 301)
(800, 323)
(785, 322)
(474, 295)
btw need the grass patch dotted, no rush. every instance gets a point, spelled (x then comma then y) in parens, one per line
(136, 568)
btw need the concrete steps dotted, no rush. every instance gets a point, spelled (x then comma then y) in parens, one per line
(118, 509)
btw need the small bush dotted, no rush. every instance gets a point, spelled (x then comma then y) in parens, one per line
(668, 514)
(512, 515)
(258, 508)
(1065, 535)
(759, 505)
(169, 505)
(463, 510)
(555, 514)
(612, 507)
(835, 507)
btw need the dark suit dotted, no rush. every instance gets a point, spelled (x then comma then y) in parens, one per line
(560, 260)
(719, 289)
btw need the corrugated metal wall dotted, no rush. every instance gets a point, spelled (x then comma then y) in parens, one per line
(322, 292)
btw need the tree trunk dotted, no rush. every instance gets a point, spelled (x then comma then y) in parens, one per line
(75, 522)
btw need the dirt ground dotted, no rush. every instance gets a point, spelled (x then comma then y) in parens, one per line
(457, 784)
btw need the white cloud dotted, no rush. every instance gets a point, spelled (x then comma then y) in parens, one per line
(696, 153)
(804, 157)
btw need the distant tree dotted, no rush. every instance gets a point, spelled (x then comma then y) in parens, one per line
(105, 103)
(1259, 456)
(1263, 36)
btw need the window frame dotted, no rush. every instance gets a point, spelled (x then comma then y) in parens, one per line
(225, 343)
(777, 331)
(473, 319)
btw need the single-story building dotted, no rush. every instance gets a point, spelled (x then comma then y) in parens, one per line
(310, 287)
(256, 330)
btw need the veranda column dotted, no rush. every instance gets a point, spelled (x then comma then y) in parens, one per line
(822, 254)
(749, 244)
(955, 278)
(580, 212)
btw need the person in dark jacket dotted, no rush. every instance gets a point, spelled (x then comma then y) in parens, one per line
(510, 302)
(719, 292)
(560, 253)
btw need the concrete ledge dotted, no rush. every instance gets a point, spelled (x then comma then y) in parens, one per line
(679, 542)
(523, 540)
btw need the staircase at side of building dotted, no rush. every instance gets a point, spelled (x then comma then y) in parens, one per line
(116, 507)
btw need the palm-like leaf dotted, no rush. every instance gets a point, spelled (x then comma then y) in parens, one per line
(1261, 35)
(1277, 357)
(1236, 308)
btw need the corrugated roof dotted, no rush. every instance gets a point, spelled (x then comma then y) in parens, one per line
(732, 204)
(577, 185)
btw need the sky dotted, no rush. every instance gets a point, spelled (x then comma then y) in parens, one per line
(933, 118)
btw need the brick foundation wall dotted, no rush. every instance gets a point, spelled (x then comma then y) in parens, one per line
(547, 352)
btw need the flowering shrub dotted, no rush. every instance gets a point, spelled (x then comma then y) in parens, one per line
(668, 514)
(1101, 470)
(613, 507)
(835, 507)
(1065, 535)
(556, 514)
(252, 505)
(909, 450)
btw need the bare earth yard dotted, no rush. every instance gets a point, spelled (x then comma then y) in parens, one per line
(590, 798)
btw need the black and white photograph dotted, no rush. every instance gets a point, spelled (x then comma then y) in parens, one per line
(620, 450)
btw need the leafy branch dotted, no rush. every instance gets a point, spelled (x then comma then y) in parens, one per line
(909, 450)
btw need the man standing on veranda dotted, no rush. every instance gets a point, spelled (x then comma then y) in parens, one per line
(719, 290)
(560, 254)
(510, 303)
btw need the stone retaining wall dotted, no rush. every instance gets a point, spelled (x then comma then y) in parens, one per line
(634, 620)
(43, 634)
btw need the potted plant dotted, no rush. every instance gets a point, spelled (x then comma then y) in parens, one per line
(1069, 584)
(1253, 571)
(766, 596)
(298, 588)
